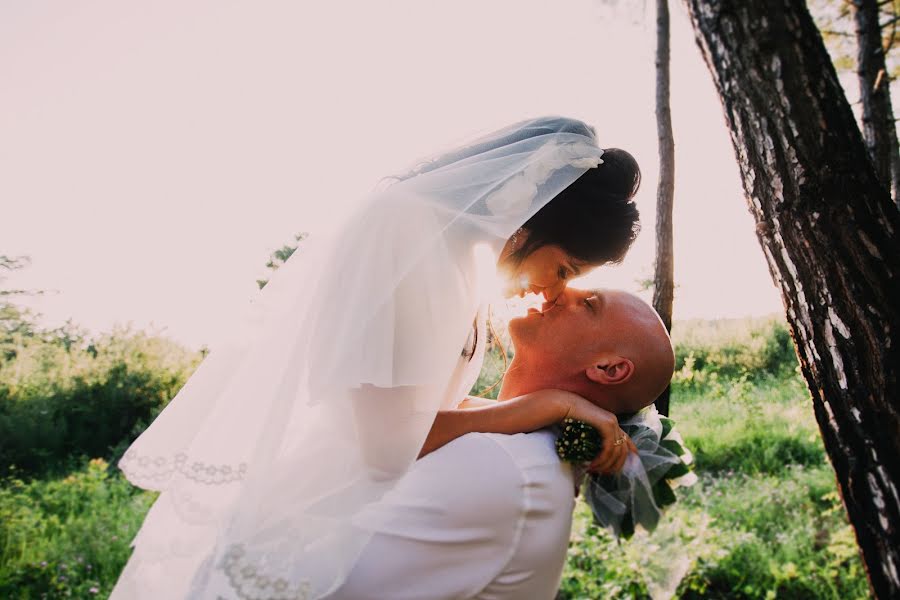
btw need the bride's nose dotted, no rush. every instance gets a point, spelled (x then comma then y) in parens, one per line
(552, 293)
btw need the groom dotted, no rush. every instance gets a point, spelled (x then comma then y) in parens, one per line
(488, 515)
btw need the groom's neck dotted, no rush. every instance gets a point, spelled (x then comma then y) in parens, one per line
(526, 376)
(523, 377)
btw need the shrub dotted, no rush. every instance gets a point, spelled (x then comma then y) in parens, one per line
(757, 347)
(67, 537)
(57, 403)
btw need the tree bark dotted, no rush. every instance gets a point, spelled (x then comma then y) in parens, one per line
(664, 276)
(829, 232)
(879, 130)
(895, 148)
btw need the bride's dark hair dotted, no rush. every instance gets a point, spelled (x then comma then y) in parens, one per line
(594, 219)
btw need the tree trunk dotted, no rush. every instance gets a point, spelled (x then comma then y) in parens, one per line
(663, 276)
(895, 149)
(829, 232)
(879, 130)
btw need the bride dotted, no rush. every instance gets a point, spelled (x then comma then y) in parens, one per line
(325, 394)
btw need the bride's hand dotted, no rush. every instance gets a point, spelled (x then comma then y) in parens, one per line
(612, 456)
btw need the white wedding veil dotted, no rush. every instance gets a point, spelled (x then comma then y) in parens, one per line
(323, 397)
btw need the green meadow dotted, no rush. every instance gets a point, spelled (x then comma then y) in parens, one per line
(764, 519)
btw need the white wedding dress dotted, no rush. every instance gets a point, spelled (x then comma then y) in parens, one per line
(316, 407)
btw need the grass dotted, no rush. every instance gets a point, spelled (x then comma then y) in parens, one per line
(67, 537)
(761, 427)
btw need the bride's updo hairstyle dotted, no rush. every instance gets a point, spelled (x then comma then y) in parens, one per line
(594, 219)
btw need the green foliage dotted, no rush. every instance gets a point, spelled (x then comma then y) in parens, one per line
(761, 522)
(756, 348)
(753, 427)
(67, 537)
(834, 18)
(578, 442)
(784, 537)
(280, 256)
(488, 383)
(60, 397)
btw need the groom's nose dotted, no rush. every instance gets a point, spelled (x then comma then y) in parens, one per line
(561, 300)
(567, 297)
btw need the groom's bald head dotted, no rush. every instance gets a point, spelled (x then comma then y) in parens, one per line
(606, 345)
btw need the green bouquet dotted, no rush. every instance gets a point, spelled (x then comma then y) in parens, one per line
(664, 460)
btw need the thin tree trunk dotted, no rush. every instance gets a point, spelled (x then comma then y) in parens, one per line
(664, 276)
(829, 232)
(895, 148)
(879, 130)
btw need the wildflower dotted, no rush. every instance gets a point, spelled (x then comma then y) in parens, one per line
(99, 463)
(94, 590)
(43, 563)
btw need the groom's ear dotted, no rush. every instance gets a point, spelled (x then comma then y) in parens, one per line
(611, 371)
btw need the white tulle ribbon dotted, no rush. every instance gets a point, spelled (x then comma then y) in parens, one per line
(517, 194)
(627, 501)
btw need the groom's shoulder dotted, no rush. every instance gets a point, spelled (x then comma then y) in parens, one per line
(479, 466)
(528, 449)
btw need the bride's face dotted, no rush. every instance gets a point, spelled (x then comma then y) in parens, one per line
(546, 271)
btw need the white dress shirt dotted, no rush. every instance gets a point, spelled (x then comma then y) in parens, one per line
(487, 516)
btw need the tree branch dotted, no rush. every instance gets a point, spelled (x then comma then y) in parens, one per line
(840, 33)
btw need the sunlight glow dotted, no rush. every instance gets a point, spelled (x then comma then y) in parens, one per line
(152, 156)
(489, 281)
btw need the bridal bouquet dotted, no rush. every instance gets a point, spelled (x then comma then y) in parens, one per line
(645, 486)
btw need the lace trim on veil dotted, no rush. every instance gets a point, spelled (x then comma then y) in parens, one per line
(154, 470)
(251, 583)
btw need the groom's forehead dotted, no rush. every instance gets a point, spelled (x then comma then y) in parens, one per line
(616, 306)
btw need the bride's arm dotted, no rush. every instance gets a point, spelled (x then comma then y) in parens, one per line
(522, 414)
(475, 402)
(530, 412)
(517, 415)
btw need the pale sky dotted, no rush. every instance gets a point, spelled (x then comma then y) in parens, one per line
(153, 154)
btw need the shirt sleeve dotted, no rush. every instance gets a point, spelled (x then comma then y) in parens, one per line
(446, 530)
